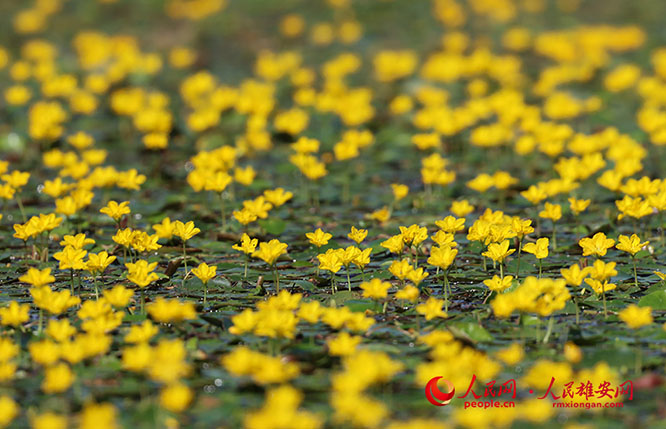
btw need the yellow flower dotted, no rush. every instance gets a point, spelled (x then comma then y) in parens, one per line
(60, 330)
(48, 420)
(77, 241)
(534, 195)
(358, 235)
(578, 206)
(394, 244)
(204, 272)
(137, 358)
(71, 258)
(363, 258)
(409, 293)
(635, 316)
(343, 345)
(37, 277)
(543, 371)
(633, 207)
(8, 410)
(498, 251)
(432, 308)
(603, 271)
(245, 176)
(461, 208)
(318, 238)
(521, 227)
(124, 237)
(185, 231)
(375, 289)
(130, 179)
(401, 269)
(310, 311)
(141, 333)
(574, 275)
(599, 286)
(271, 251)
(16, 179)
(119, 296)
(538, 249)
(140, 273)
(115, 211)
(414, 234)
(176, 397)
(15, 314)
(551, 211)
(451, 224)
(97, 263)
(498, 284)
(217, 182)
(481, 183)
(382, 215)
(165, 229)
(98, 416)
(400, 191)
(442, 257)
(171, 310)
(247, 245)
(278, 196)
(330, 261)
(57, 378)
(349, 254)
(572, 352)
(598, 245)
(631, 244)
(244, 216)
(53, 302)
(511, 355)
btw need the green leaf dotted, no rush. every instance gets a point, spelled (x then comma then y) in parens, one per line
(273, 226)
(656, 300)
(471, 330)
(361, 304)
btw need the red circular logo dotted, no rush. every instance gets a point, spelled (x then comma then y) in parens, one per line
(436, 396)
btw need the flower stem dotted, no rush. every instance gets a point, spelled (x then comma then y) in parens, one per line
(184, 263)
(205, 293)
(416, 257)
(633, 258)
(20, 206)
(638, 366)
(554, 236)
(277, 279)
(549, 329)
(224, 213)
(520, 248)
(446, 290)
